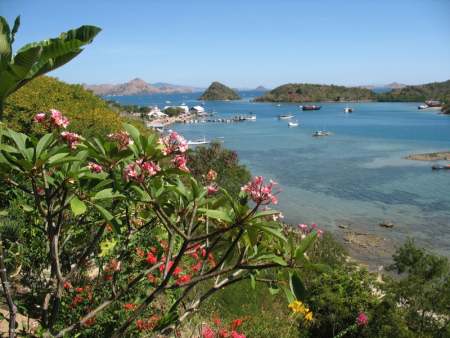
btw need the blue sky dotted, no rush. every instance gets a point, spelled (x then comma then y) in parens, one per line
(245, 43)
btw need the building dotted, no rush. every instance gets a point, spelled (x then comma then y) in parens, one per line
(155, 113)
(197, 110)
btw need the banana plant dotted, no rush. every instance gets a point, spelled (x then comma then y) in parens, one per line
(36, 58)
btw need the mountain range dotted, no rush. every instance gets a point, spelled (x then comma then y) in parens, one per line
(138, 86)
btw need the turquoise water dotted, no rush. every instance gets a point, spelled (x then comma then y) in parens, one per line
(356, 176)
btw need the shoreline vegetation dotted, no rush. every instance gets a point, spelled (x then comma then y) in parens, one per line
(434, 156)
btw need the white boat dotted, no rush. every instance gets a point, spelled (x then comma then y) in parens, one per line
(422, 106)
(251, 117)
(285, 117)
(348, 110)
(321, 133)
(278, 105)
(293, 124)
(198, 141)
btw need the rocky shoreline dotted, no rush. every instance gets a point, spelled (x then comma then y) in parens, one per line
(436, 156)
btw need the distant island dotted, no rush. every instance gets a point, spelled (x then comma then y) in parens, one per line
(305, 92)
(138, 86)
(218, 91)
(441, 155)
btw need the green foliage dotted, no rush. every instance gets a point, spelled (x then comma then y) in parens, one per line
(420, 93)
(174, 111)
(218, 91)
(294, 92)
(230, 174)
(37, 58)
(89, 114)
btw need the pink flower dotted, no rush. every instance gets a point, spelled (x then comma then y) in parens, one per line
(94, 167)
(57, 119)
(180, 162)
(319, 233)
(303, 228)
(150, 168)
(39, 118)
(130, 172)
(260, 193)
(173, 143)
(235, 334)
(212, 189)
(122, 138)
(72, 139)
(207, 332)
(362, 319)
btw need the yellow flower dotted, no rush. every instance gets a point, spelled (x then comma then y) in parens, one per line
(309, 316)
(297, 307)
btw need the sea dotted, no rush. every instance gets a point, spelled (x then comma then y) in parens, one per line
(357, 177)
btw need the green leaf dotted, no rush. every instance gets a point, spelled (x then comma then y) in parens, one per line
(253, 282)
(272, 231)
(216, 214)
(105, 213)
(289, 295)
(273, 291)
(78, 207)
(57, 157)
(106, 247)
(134, 133)
(305, 243)
(265, 213)
(42, 144)
(297, 287)
(273, 258)
(145, 197)
(106, 194)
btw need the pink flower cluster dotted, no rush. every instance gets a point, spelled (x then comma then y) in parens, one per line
(137, 171)
(57, 119)
(180, 162)
(94, 167)
(173, 143)
(260, 193)
(362, 319)
(122, 138)
(72, 139)
(305, 229)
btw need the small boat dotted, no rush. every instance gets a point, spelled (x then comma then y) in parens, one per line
(198, 141)
(348, 110)
(293, 124)
(313, 107)
(422, 106)
(251, 117)
(441, 167)
(285, 116)
(278, 105)
(321, 133)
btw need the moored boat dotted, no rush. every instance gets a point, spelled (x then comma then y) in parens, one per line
(348, 110)
(285, 116)
(293, 124)
(313, 107)
(198, 141)
(441, 167)
(321, 133)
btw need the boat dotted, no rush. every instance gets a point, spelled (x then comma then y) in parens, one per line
(348, 110)
(321, 133)
(433, 103)
(313, 107)
(198, 142)
(251, 117)
(285, 116)
(293, 124)
(278, 105)
(441, 167)
(422, 106)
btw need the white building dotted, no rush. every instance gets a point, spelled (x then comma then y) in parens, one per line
(155, 112)
(197, 110)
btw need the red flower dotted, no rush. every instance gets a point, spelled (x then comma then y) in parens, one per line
(236, 323)
(151, 258)
(362, 320)
(67, 285)
(223, 333)
(217, 321)
(183, 279)
(129, 306)
(235, 334)
(79, 290)
(207, 332)
(196, 267)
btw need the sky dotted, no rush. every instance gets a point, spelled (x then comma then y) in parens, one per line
(247, 43)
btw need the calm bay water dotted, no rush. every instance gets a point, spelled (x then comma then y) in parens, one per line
(356, 176)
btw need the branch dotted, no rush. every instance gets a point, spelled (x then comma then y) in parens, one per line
(5, 284)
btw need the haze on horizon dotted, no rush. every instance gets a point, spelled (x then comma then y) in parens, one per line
(247, 43)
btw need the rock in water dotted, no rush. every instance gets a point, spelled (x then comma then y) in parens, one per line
(218, 91)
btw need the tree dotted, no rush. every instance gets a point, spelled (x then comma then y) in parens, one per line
(36, 58)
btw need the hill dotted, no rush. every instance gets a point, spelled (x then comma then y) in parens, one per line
(304, 92)
(218, 91)
(138, 87)
(89, 114)
(420, 93)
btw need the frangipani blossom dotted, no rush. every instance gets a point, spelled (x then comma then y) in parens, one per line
(260, 193)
